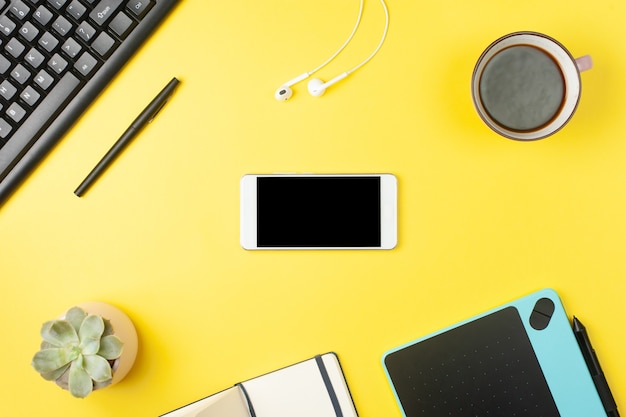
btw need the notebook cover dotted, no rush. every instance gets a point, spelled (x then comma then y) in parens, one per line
(312, 388)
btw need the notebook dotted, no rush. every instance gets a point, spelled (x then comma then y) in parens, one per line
(312, 388)
(521, 359)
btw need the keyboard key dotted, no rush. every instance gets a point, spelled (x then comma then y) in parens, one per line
(16, 112)
(139, 7)
(19, 10)
(71, 47)
(43, 15)
(85, 31)
(62, 26)
(7, 90)
(6, 25)
(48, 41)
(57, 63)
(103, 44)
(76, 9)
(121, 25)
(20, 74)
(86, 64)
(29, 32)
(34, 58)
(15, 48)
(44, 80)
(30, 96)
(104, 10)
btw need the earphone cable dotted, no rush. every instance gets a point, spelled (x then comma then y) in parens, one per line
(382, 39)
(342, 47)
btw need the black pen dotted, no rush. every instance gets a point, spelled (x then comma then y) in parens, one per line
(145, 117)
(594, 368)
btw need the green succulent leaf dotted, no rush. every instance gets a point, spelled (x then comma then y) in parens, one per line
(59, 333)
(90, 332)
(54, 375)
(75, 316)
(97, 367)
(46, 345)
(108, 328)
(80, 384)
(100, 385)
(49, 360)
(110, 347)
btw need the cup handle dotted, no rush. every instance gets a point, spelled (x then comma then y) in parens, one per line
(584, 63)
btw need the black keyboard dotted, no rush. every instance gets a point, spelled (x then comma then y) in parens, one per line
(56, 56)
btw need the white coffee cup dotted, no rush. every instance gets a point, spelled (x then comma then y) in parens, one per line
(526, 85)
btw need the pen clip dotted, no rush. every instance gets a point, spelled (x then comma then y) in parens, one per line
(157, 111)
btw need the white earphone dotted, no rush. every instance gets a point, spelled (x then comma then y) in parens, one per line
(318, 87)
(284, 92)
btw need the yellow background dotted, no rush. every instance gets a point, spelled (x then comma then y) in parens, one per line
(482, 219)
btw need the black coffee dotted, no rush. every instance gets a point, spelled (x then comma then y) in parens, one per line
(522, 88)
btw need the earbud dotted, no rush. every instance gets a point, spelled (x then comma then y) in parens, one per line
(284, 92)
(318, 87)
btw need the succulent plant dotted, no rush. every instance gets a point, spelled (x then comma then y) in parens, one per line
(78, 352)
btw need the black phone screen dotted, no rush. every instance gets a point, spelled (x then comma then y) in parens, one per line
(319, 211)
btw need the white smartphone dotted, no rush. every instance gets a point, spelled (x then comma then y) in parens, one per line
(319, 211)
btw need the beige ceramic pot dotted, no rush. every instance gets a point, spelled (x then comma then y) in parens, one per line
(124, 329)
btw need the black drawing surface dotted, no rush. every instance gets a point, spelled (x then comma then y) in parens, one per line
(486, 367)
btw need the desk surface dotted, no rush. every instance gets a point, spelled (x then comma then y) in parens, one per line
(482, 219)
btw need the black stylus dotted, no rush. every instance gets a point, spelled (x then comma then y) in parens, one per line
(594, 368)
(140, 122)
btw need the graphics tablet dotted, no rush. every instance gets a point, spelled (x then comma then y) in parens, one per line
(521, 359)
